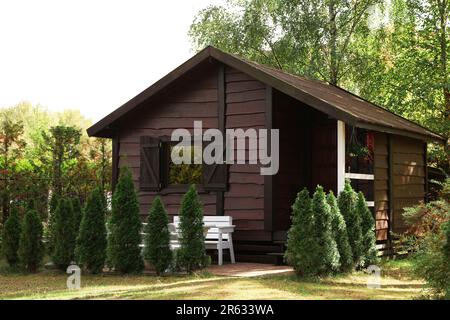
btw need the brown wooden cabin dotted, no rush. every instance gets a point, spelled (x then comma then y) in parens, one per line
(320, 127)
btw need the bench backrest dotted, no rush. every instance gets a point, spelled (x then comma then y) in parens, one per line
(213, 221)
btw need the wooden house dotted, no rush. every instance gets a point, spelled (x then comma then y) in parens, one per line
(327, 134)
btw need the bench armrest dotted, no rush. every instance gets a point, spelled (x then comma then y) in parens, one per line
(226, 229)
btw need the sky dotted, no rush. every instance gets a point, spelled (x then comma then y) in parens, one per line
(90, 55)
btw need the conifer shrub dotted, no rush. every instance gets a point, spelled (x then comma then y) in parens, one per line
(340, 235)
(91, 241)
(124, 238)
(11, 237)
(347, 205)
(157, 237)
(301, 241)
(30, 245)
(64, 235)
(191, 255)
(51, 222)
(370, 252)
(77, 213)
(327, 255)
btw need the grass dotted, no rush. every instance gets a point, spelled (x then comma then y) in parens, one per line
(396, 284)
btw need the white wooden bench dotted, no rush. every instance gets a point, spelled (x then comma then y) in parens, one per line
(219, 235)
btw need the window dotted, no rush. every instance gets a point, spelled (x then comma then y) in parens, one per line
(184, 174)
(159, 173)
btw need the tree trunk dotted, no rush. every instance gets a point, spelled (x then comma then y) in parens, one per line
(333, 44)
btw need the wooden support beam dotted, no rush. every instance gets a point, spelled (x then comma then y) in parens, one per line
(340, 156)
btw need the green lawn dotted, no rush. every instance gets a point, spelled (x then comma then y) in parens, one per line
(396, 284)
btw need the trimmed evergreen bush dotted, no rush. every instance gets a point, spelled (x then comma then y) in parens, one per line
(64, 235)
(370, 252)
(301, 242)
(124, 253)
(30, 244)
(11, 237)
(327, 255)
(347, 205)
(157, 239)
(191, 254)
(340, 235)
(77, 213)
(53, 204)
(91, 241)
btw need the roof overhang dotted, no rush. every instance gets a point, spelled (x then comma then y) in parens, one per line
(105, 127)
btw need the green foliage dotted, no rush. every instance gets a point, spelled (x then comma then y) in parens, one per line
(124, 254)
(30, 244)
(191, 254)
(347, 205)
(428, 230)
(77, 213)
(11, 238)
(301, 242)
(340, 235)
(447, 242)
(350, 45)
(65, 235)
(53, 204)
(157, 240)
(91, 241)
(327, 255)
(368, 230)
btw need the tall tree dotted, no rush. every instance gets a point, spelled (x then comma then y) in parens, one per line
(30, 244)
(11, 148)
(64, 234)
(11, 238)
(63, 144)
(313, 38)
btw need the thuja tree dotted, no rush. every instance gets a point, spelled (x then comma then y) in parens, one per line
(51, 222)
(301, 242)
(370, 252)
(157, 239)
(327, 254)
(347, 205)
(77, 213)
(91, 241)
(340, 234)
(65, 234)
(124, 253)
(191, 254)
(30, 244)
(11, 237)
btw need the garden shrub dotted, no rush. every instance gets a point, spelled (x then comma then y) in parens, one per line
(428, 233)
(370, 252)
(340, 235)
(11, 237)
(51, 222)
(124, 253)
(327, 254)
(30, 244)
(77, 213)
(301, 241)
(157, 237)
(64, 235)
(191, 254)
(91, 240)
(347, 205)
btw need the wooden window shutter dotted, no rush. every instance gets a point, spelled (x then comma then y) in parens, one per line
(150, 173)
(215, 176)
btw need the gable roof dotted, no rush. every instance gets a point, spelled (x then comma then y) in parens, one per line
(334, 101)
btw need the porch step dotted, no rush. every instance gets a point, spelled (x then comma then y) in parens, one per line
(279, 256)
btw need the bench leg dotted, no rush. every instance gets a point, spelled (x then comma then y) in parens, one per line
(230, 239)
(219, 248)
